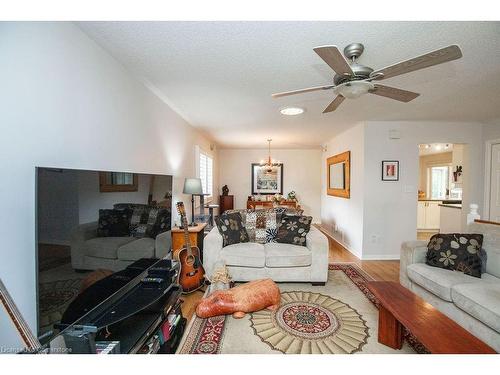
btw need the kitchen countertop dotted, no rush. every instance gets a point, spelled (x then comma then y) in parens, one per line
(451, 205)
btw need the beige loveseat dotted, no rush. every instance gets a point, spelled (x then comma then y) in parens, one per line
(90, 252)
(472, 302)
(279, 261)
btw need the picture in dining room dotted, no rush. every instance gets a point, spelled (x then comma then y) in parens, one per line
(267, 180)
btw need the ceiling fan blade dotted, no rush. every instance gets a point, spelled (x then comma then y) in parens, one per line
(334, 104)
(394, 93)
(317, 88)
(439, 56)
(333, 57)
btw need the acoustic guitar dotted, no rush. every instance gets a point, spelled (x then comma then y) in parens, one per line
(191, 274)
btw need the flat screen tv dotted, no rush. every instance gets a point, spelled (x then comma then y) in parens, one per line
(91, 224)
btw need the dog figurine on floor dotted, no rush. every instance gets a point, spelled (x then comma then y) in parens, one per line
(249, 297)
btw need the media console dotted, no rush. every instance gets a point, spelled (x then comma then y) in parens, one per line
(140, 313)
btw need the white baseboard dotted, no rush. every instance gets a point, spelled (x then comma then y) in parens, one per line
(330, 235)
(381, 257)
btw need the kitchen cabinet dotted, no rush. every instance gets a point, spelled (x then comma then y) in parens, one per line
(428, 215)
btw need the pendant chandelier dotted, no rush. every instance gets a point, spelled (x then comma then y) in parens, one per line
(269, 164)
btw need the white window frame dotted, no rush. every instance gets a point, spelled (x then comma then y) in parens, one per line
(198, 152)
(429, 176)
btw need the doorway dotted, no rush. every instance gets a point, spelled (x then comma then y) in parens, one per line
(492, 204)
(440, 189)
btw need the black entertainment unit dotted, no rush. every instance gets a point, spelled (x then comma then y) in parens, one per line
(140, 314)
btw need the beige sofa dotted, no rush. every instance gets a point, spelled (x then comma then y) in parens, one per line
(278, 261)
(472, 302)
(90, 252)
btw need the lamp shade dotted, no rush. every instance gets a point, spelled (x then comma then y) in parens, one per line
(193, 186)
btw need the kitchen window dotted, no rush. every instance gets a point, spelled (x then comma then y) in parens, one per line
(439, 181)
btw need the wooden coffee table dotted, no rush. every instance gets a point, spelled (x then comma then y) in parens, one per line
(439, 334)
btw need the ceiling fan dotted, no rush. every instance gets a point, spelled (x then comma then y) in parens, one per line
(352, 79)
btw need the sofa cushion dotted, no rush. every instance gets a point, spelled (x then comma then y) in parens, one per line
(456, 251)
(232, 229)
(140, 248)
(438, 281)
(139, 221)
(481, 300)
(247, 254)
(105, 247)
(491, 244)
(259, 223)
(143, 221)
(293, 229)
(113, 223)
(287, 255)
(163, 222)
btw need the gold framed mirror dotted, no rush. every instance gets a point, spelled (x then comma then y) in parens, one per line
(338, 169)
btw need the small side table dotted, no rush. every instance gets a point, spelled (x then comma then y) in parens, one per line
(195, 237)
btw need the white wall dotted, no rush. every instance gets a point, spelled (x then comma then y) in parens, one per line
(301, 172)
(380, 215)
(65, 102)
(491, 131)
(346, 214)
(390, 208)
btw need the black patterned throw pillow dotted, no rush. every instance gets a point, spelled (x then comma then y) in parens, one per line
(231, 229)
(113, 223)
(456, 252)
(293, 229)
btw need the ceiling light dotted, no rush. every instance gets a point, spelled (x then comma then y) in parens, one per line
(291, 111)
(354, 89)
(269, 164)
(438, 147)
(427, 146)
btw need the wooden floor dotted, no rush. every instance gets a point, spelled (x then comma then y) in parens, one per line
(386, 270)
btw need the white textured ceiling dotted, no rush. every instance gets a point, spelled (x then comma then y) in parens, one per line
(220, 75)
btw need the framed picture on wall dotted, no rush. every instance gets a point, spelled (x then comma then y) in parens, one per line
(390, 170)
(267, 180)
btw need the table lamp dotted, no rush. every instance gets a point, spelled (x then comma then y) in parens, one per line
(192, 186)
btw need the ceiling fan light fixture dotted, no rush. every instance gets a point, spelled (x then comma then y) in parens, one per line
(354, 89)
(291, 111)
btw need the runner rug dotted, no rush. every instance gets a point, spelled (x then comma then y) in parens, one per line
(338, 318)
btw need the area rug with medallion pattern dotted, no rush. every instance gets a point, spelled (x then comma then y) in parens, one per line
(340, 317)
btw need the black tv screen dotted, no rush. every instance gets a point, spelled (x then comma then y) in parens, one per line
(91, 224)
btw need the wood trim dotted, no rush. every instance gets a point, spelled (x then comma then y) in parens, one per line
(487, 222)
(344, 157)
(107, 188)
(28, 338)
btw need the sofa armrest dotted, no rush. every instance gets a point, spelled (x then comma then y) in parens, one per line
(411, 252)
(212, 246)
(317, 242)
(163, 245)
(79, 235)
